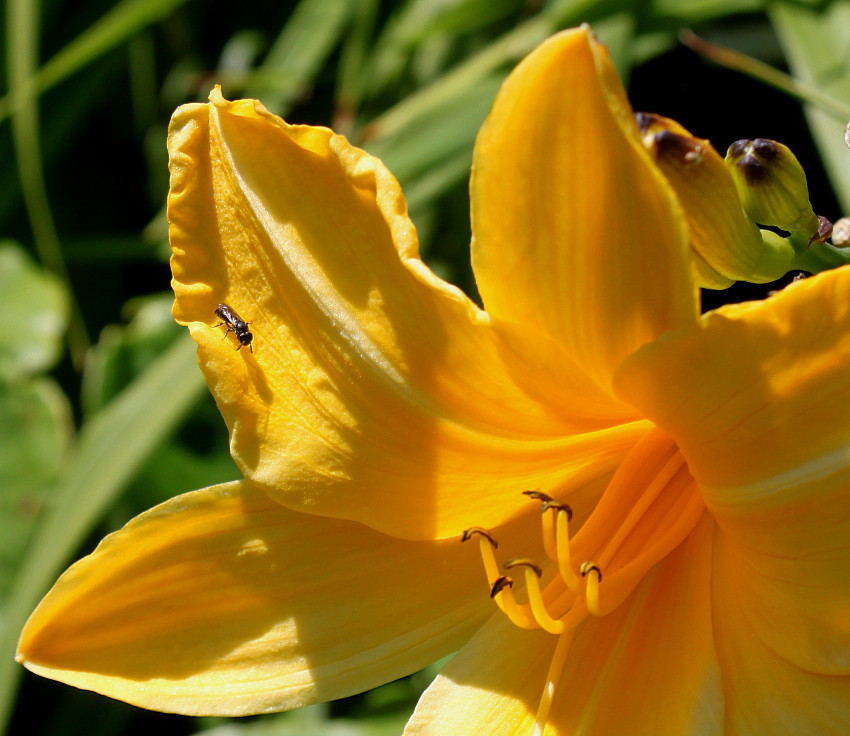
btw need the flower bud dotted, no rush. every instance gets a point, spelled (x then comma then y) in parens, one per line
(726, 244)
(777, 258)
(772, 185)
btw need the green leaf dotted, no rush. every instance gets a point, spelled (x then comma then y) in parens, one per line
(35, 312)
(310, 34)
(123, 352)
(120, 23)
(35, 432)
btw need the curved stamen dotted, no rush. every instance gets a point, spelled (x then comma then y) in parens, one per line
(535, 596)
(591, 572)
(562, 538)
(500, 587)
(547, 519)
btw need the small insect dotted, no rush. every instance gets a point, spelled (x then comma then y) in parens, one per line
(235, 324)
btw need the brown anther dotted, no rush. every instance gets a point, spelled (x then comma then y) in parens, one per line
(549, 503)
(500, 584)
(538, 495)
(587, 567)
(473, 530)
(523, 562)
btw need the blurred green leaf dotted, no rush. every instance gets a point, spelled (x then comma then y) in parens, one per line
(418, 22)
(35, 432)
(307, 39)
(466, 75)
(693, 11)
(816, 46)
(123, 352)
(34, 314)
(120, 23)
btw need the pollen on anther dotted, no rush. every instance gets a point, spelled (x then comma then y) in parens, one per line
(473, 530)
(587, 567)
(549, 503)
(500, 584)
(523, 562)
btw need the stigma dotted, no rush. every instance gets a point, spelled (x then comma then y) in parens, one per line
(649, 507)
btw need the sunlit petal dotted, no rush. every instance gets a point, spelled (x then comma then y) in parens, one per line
(574, 229)
(757, 399)
(375, 391)
(223, 602)
(657, 645)
(490, 688)
(757, 394)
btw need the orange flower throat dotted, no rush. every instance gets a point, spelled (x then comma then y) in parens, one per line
(650, 506)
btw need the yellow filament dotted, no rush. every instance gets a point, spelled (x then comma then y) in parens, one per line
(549, 534)
(591, 592)
(516, 613)
(659, 482)
(505, 599)
(620, 583)
(562, 536)
(571, 620)
(491, 567)
(538, 607)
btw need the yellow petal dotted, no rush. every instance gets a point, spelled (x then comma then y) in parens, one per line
(221, 602)
(790, 579)
(650, 664)
(655, 648)
(490, 688)
(756, 395)
(757, 399)
(766, 693)
(574, 229)
(375, 391)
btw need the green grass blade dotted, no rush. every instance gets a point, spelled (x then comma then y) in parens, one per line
(22, 34)
(122, 22)
(509, 47)
(310, 34)
(816, 44)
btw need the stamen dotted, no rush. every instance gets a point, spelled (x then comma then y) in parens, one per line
(535, 596)
(562, 537)
(548, 526)
(591, 571)
(650, 506)
(502, 583)
(501, 592)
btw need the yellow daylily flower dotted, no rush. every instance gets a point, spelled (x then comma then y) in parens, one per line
(689, 572)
